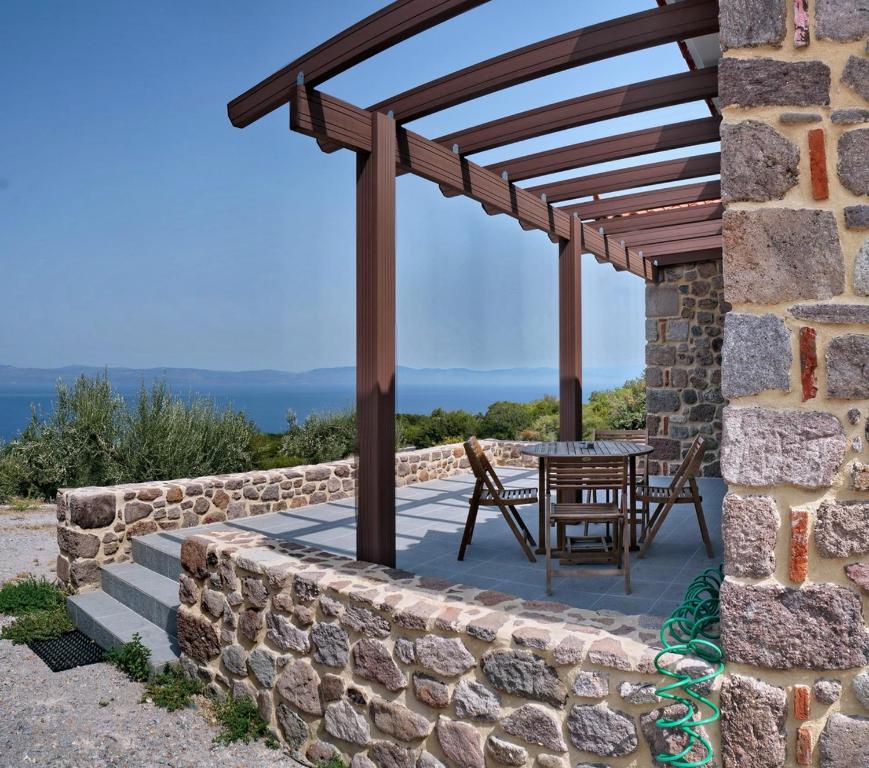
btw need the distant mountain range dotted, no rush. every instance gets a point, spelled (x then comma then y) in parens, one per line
(343, 376)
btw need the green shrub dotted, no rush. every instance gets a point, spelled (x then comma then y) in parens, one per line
(266, 450)
(165, 437)
(322, 437)
(92, 438)
(29, 595)
(621, 408)
(171, 689)
(38, 625)
(240, 720)
(132, 658)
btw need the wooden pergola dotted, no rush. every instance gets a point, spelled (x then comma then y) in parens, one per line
(639, 232)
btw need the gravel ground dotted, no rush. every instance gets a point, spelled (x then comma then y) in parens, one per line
(92, 716)
(28, 542)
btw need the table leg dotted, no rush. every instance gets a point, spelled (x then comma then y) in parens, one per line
(632, 505)
(541, 511)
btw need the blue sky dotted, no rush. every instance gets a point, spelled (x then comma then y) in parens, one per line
(139, 228)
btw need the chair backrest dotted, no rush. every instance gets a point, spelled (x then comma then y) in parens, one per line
(633, 435)
(690, 466)
(586, 473)
(480, 464)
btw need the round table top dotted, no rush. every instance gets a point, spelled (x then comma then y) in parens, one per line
(602, 448)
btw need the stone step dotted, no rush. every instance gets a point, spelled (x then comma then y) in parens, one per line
(152, 596)
(110, 623)
(160, 552)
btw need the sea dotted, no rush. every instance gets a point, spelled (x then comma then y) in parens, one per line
(267, 407)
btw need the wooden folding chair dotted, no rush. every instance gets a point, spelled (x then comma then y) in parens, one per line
(642, 475)
(681, 490)
(572, 477)
(489, 491)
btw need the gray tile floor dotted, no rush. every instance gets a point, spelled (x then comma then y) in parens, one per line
(429, 524)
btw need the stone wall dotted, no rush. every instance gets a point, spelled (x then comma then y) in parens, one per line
(386, 668)
(684, 318)
(794, 85)
(97, 525)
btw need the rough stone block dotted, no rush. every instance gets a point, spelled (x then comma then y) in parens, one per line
(763, 447)
(749, 23)
(849, 116)
(856, 76)
(819, 626)
(535, 725)
(749, 526)
(91, 509)
(853, 167)
(778, 254)
(521, 673)
(757, 162)
(602, 731)
(847, 361)
(799, 118)
(753, 717)
(756, 354)
(859, 574)
(844, 742)
(861, 271)
(662, 300)
(460, 743)
(770, 83)
(841, 20)
(662, 401)
(843, 314)
(842, 529)
(77, 544)
(671, 741)
(197, 637)
(857, 217)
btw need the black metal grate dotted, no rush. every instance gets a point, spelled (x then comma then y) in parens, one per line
(70, 650)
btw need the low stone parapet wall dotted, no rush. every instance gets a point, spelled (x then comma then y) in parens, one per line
(97, 525)
(383, 667)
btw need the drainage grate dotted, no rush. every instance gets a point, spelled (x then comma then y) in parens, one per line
(70, 650)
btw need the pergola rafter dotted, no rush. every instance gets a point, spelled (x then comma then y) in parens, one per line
(638, 232)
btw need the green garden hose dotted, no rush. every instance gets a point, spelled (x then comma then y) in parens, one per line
(692, 629)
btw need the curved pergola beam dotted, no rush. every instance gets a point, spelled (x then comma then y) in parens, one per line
(381, 30)
(667, 91)
(663, 137)
(614, 37)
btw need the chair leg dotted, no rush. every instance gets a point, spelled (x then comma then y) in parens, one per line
(626, 553)
(659, 517)
(505, 511)
(521, 523)
(470, 522)
(701, 520)
(548, 547)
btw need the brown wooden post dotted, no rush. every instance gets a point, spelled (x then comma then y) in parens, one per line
(375, 344)
(570, 332)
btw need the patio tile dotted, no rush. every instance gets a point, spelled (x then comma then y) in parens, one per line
(430, 518)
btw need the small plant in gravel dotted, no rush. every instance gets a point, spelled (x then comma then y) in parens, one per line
(171, 689)
(132, 659)
(40, 608)
(240, 720)
(29, 595)
(38, 625)
(21, 504)
(333, 762)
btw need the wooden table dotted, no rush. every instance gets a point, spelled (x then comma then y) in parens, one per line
(603, 448)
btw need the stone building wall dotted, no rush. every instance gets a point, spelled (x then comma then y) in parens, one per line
(684, 318)
(96, 525)
(385, 668)
(794, 85)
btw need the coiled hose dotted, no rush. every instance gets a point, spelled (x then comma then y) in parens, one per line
(692, 630)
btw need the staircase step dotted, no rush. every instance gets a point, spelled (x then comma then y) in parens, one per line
(110, 623)
(159, 552)
(152, 596)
